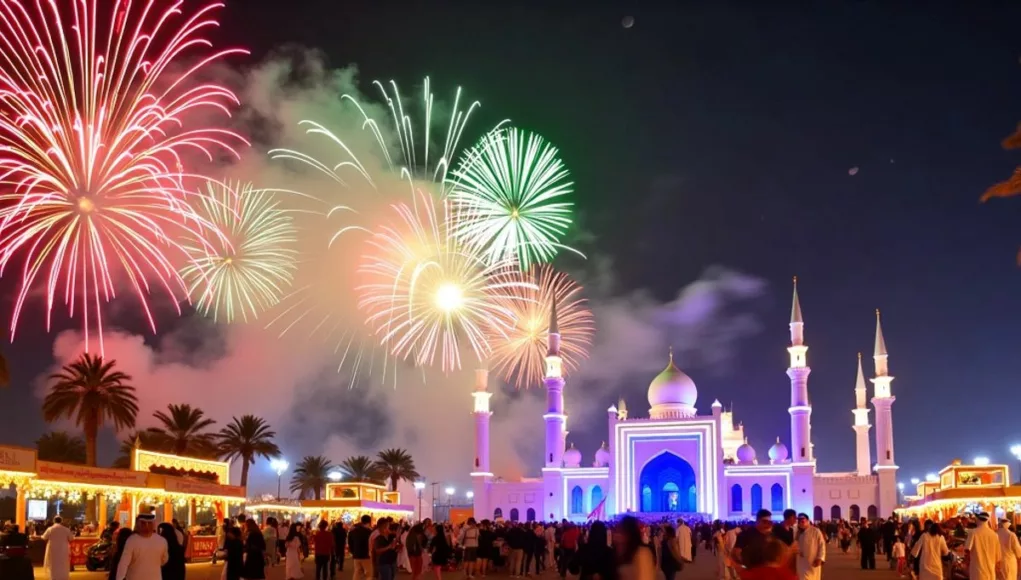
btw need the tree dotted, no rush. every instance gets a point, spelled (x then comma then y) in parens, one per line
(395, 465)
(310, 476)
(246, 439)
(127, 446)
(61, 447)
(361, 468)
(183, 431)
(92, 393)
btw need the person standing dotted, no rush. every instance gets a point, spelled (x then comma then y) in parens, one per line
(685, 544)
(1011, 552)
(867, 546)
(386, 547)
(57, 562)
(753, 536)
(174, 567)
(929, 551)
(982, 551)
(811, 550)
(255, 552)
(669, 553)
(340, 545)
(469, 540)
(292, 545)
(145, 552)
(324, 549)
(358, 544)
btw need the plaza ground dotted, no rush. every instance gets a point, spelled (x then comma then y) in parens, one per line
(838, 567)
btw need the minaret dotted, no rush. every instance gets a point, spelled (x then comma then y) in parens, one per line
(556, 420)
(861, 424)
(480, 472)
(886, 468)
(800, 409)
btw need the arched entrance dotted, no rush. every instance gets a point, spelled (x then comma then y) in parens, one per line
(667, 484)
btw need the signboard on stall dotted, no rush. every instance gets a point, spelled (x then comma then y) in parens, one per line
(181, 485)
(48, 470)
(17, 459)
(201, 548)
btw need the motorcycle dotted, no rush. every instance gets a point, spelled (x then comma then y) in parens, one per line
(97, 556)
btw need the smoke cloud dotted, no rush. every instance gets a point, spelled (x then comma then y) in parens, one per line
(288, 373)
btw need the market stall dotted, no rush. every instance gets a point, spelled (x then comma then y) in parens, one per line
(961, 489)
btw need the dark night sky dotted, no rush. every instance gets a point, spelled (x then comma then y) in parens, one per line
(721, 133)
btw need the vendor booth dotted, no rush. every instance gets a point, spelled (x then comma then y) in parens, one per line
(195, 491)
(961, 489)
(344, 501)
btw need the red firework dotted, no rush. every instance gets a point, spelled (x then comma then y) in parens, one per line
(95, 117)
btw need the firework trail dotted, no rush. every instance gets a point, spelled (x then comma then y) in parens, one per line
(407, 160)
(247, 270)
(509, 192)
(95, 120)
(519, 353)
(427, 293)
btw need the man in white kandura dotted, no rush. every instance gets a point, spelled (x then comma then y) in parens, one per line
(57, 561)
(1011, 552)
(982, 550)
(145, 552)
(684, 540)
(811, 550)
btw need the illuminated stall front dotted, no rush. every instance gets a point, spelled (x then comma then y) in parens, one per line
(961, 489)
(346, 501)
(155, 480)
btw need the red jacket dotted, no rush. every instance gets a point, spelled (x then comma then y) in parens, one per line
(767, 573)
(323, 541)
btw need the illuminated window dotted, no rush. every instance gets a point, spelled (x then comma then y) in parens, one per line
(736, 499)
(577, 500)
(776, 497)
(756, 498)
(514, 514)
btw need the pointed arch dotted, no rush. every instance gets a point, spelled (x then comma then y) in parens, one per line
(776, 498)
(577, 500)
(756, 498)
(595, 497)
(671, 484)
(736, 498)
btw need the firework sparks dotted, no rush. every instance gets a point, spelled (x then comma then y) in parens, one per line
(407, 152)
(92, 134)
(519, 354)
(250, 266)
(510, 195)
(427, 294)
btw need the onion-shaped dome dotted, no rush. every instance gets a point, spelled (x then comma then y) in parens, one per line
(572, 457)
(672, 393)
(602, 456)
(778, 452)
(745, 453)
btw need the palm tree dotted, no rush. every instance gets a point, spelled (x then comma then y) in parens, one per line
(91, 392)
(144, 439)
(395, 465)
(183, 431)
(246, 439)
(61, 447)
(361, 468)
(310, 476)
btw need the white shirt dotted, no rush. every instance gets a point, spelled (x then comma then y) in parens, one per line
(929, 550)
(898, 550)
(984, 550)
(143, 558)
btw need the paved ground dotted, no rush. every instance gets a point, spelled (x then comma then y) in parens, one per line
(838, 567)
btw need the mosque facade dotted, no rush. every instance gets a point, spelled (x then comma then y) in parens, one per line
(678, 461)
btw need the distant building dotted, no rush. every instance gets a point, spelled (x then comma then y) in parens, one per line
(677, 461)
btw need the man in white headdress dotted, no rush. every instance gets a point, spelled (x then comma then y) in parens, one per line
(1011, 552)
(57, 561)
(684, 541)
(982, 550)
(145, 552)
(811, 546)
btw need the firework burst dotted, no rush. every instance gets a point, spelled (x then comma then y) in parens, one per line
(428, 294)
(94, 120)
(405, 154)
(252, 263)
(519, 354)
(510, 192)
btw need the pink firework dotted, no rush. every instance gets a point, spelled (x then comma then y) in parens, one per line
(519, 353)
(96, 114)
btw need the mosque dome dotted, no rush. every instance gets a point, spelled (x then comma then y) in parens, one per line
(602, 456)
(745, 453)
(672, 393)
(572, 457)
(778, 452)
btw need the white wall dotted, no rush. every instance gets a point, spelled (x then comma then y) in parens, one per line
(845, 492)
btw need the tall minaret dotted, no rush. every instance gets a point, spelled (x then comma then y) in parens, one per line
(861, 424)
(883, 400)
(556, 420)
(480, 472)
(800, 409)
(886, 468)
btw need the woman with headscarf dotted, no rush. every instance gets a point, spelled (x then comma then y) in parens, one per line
(255, 553)
(118, 548)
(594, 559)
(174, 568)
(929, 551)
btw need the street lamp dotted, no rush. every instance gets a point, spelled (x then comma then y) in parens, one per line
(470, 494)
(931, 477)
(335, 476)
(1016, 451)
(981, 460)
(279, 465)
(419, 486)
(915, 481)
(450, 491)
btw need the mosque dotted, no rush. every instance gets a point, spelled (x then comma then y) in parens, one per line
(680, 461)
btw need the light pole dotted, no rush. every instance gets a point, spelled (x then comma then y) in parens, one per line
(900, 488)
(450, 500)
(279, 465)
(1016, 452)
(419, 486)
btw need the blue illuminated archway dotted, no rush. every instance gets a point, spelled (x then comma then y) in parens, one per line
(668, 485)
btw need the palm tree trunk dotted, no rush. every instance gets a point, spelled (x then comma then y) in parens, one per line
(245, 462)
(91, 428)
(393, 483)
(318, 493)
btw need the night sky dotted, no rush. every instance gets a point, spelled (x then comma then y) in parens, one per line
(722, 134)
